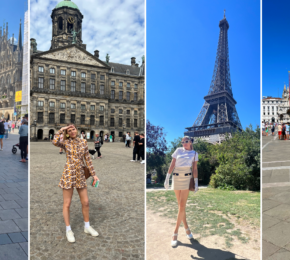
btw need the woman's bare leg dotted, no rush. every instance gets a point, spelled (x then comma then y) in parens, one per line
(181, 196)
(83, 193)
(67, 196)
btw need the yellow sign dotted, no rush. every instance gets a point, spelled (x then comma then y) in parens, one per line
(18, 96)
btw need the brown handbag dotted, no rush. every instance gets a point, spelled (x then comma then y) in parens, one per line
(87, 172)
(192, 183)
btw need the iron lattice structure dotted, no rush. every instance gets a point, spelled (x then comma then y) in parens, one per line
(218, 114)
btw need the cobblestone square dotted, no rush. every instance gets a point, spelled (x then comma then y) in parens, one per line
(116, 207)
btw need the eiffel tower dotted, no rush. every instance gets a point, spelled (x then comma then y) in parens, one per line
(218, 114)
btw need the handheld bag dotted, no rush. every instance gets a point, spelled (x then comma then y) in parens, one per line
(192, 183)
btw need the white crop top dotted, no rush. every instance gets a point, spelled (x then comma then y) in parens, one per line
(184, 158)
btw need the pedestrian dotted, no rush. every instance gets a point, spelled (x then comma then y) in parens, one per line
(50, 137)
(98, 145)
(136, 141)
(287, 131)
(184, 167)
(128, 139)
(279, 131)
(6, 129)
(9, 126)
(23, 132)
(141, 148)
(266, 130)
(74, 176)
(263, 128)
(2, 132)
(106, 137)
(13, 126)
(273, 129)
(111, 138)
(284, 132)
(61, 149)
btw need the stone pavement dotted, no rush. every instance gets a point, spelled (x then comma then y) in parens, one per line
(275, 198)
(13, 203)
(116, 207)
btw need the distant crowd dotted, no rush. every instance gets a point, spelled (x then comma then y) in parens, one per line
(282, 128)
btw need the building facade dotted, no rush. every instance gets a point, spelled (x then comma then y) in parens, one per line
(70, 85)
(11, 60)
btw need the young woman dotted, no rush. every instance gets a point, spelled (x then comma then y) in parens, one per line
(184, 167)
(73, 176)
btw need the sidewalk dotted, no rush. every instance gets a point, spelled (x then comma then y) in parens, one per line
(13, 202)
(276, 198)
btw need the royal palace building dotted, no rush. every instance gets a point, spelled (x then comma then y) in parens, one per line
(71, 85)
(11, 61)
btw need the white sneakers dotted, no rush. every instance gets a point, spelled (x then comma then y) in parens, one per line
(70, 236)
(190, 236)
(132, 161)
(174, 242)
(143, 161)
(91, 231)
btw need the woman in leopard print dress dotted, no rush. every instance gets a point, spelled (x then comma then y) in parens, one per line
(73, 175)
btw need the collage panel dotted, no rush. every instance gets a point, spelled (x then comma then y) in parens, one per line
(203, 145)
(14, 128)
(87, 134)
(275, 119)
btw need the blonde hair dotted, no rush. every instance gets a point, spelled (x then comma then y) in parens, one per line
(190, 139)
(65, 132)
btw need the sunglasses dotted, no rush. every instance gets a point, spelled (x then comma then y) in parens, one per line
(185, 142)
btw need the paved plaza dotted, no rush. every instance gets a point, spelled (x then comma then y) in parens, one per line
(13, 202)
(276, 198)
(116, 207)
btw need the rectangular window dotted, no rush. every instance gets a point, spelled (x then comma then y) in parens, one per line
(135, 122)
(112, 94)
(128, 122)
(92, 120)
(93, 87)
(101, 108)
(40, 69)
(120, 122)
(120, 111)
(128, 112)
(51, 104)
(93, 76)
(135, 96)
(136, 86)
(62, 72)
(83, 107)
(120, 95)
(83, 75)
(92, 107)
(128, 96)
(62, 105)
(120, 134)
(112, 111)
(120, 84)
(62, 85)
(135, 112)
(83, 119)
(102, 77)
(128, 85)
(83, 87)
(40, 82)
(101, 120)
(112, 83)
(62, 118)
(73, 106)
(40, 117)
(73, 73)
(73, 86)
(52, 70)
(102, 89)
(40, 103)
(51, 83)
(51, 118)
(112, 122)
(73, 118)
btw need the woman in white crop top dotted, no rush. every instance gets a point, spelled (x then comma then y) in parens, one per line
(184, 167)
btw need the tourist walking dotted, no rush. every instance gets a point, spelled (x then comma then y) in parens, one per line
(136, 141)
(74, 176)
(50, 137)
(9, 126)
(263, 128)
(105, 138)
(287, 131)
(13, 126)
(23, 132)
(98, 145)
(279, 131)
(141, 148)
(6, 129)
(184, 167)
(128, 139)
(2, 132)
(273, 129)
(267, 129)
(111, 138)
(283, 132)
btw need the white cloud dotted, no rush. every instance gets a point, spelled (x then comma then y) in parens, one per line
(115, 27)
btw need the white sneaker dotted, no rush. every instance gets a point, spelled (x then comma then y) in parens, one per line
(174, 242)
(70, 236)
(132, 160)
(190, 236)
(143, 161)
(91, 231)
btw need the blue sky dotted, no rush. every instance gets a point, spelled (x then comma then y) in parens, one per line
(12, 11)
(276, 51)
(182, 38)
(116, 27)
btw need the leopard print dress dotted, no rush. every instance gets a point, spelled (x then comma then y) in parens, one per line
(73, 175)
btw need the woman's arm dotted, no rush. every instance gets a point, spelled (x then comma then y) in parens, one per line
(56, 141)
(172, 165)
(88, 159)
(20, 130)
(194, 169)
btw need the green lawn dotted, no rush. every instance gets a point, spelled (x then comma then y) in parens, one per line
(208, 211)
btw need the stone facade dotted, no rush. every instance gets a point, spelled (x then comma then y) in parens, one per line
(70, 85)
(11, 59)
